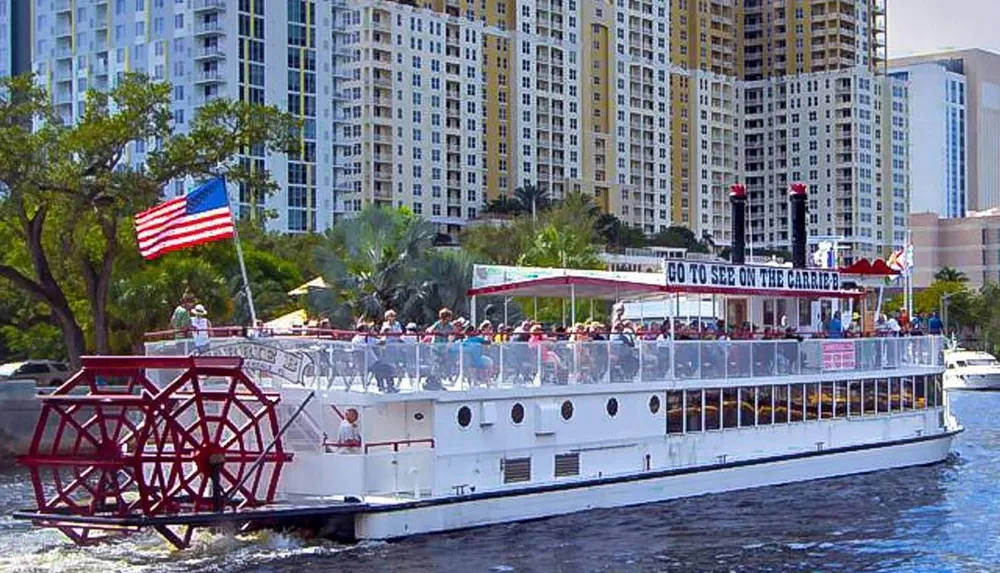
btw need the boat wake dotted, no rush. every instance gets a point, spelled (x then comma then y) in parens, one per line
(210, 551)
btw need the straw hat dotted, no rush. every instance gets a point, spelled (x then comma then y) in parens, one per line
(199, 310)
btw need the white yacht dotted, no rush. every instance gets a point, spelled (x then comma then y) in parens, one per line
(971, 370)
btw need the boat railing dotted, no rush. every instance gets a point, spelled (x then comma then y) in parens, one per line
(400, 366)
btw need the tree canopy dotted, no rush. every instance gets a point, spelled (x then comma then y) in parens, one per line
(70, 191)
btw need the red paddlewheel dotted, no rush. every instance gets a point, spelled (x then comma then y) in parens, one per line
(104, 457)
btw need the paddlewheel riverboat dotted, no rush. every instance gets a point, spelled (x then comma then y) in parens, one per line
(380, 441)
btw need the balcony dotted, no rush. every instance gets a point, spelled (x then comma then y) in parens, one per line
(209, 5)
(211, 27)
(209, 77)
(210, 53)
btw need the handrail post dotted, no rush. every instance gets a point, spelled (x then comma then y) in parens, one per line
(607, 372)
(673, 361)
(538, 364)
(638, 343)
(500, 360)
(415, 382)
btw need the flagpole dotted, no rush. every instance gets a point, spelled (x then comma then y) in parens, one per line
(246, 280)
(243, 265)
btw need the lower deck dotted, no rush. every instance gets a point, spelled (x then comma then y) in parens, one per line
(457, 444)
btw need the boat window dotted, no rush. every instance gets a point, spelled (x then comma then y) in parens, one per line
(654, 404)
(854, 398)
(960, 363)
(464, 416)
(882, 395)
(951, 365)
(517, 413)
(781, 404)
(675, 411)
(894, 395)
(567, 410)
(826, 400)
(868, 395)
(713, 409)
(765, 408)
(748, 409)
(730, 408)
(692, 411)
(981, 362)
(612, 407)
(907, 393)
(797, 398)
(920, 392)
(839, 399)
(812, 401)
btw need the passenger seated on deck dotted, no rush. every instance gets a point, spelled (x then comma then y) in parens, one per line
(349, 436)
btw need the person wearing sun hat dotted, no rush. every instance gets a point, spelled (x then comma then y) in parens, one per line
(200, 326)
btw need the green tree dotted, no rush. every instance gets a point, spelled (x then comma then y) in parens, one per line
(555, 247)
(951, 274)
(370, 260)
(143, 301)
(679, 237)
(618, 235)
(70, 191)
(532, 199)
(504, 205)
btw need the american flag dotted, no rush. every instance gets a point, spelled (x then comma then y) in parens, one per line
(201, 216)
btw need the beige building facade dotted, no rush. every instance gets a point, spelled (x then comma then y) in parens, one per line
(970, 244)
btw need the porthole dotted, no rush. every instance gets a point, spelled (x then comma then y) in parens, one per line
(612, 407)
(654, 404)
(464, 416)
(517, 413)
(418, 416)
(567, 410)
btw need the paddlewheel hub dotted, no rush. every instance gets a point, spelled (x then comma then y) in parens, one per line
(114, 451)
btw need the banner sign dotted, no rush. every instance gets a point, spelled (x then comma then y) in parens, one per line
(758, 278)
(838, 355)
(493, 275)
(265, 359)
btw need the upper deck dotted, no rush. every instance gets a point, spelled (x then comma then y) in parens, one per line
(387, 367)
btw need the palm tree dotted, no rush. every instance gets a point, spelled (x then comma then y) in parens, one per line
(443, 282)
(951, 274)
(504, 205)
(371, 261)
(532, 198)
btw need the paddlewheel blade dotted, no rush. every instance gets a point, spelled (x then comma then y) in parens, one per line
(105, 457)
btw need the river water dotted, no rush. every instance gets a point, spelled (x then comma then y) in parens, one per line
(938, 518)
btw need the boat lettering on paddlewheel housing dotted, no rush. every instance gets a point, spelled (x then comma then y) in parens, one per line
(261, 359)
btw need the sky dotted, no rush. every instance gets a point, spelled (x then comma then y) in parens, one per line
(920, 26)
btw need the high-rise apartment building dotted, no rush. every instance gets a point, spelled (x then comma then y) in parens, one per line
(6, 38)
(770, 92)
(461, 102)
(938, 129)
(981, 70)
(283, 53)
(652, 107)
(15, 37)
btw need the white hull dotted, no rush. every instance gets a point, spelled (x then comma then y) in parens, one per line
(510, 506)
(989, 381)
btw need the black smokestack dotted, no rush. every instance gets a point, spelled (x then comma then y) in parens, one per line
(797, 194)
(738, 201)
